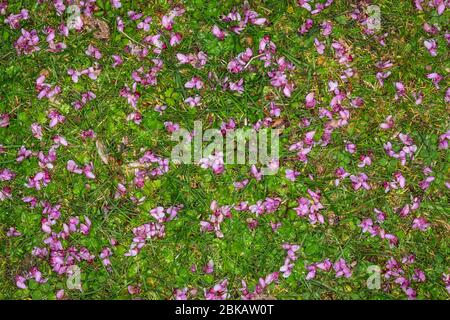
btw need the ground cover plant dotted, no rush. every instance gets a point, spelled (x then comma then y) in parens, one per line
(93, 207)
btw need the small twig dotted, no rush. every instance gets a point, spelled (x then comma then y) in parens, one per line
(130, 38)
(252, 58)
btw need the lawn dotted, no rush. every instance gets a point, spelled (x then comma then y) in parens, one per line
(93, 205)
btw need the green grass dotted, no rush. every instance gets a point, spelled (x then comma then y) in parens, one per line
(164, 264)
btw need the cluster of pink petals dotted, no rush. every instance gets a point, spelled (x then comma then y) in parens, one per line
(388, 123)
(278, 76)
(61, 260)
(23, 154)
(133, 290)
(117, 60)
(383, 70)
(55, 117)
(398, 182)
(435, 78)
(395, 271)
(425, 183)
(367, 225)
(148, 78)
(85, 98)
(237, 86)
(218, 33)
(121, 191)
(33, 273)
(311, 208)
(51, 35)
(6, 175)
(154, 41)
(46, 161)
(94, 52)
(145, 24)
(439, 5)
(342, 52)
(91, 72)
(3, 7)
(104, 255)
(278, 69)
(446, 279)
(194, 83)
(267, 49)
(319, 7)
(239, 21)
(209, 267)
(131, 94)
(291, 174)
(238, 185)
(46, 90)
(288, 266)
(421, 223)
(184, 294)
(306, 26)
(87, 134)
(304, 147)
(164, 215)
(215, 219)
(408, 149)
(262, 284)
(60, 294)
(237, 64)
(213, 161)
(87, 170)
(5, 193)
(39, 180)
(50, 216)
(400, 90)
(14, 19)
(431, 46)
(142, 233)
(197, 60)
(167, 21)
(227, 125)
(266, 206)
(36, 130)
(32, 201)
(340, 267)
(12, 232)
(408, 208)
(74, 225)
(218, 291)
(4, 120)
(194, 101)
(443, 140)
(340, 174)
(152, 230)
(27, 43)
(149, 158)
(261, 207)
